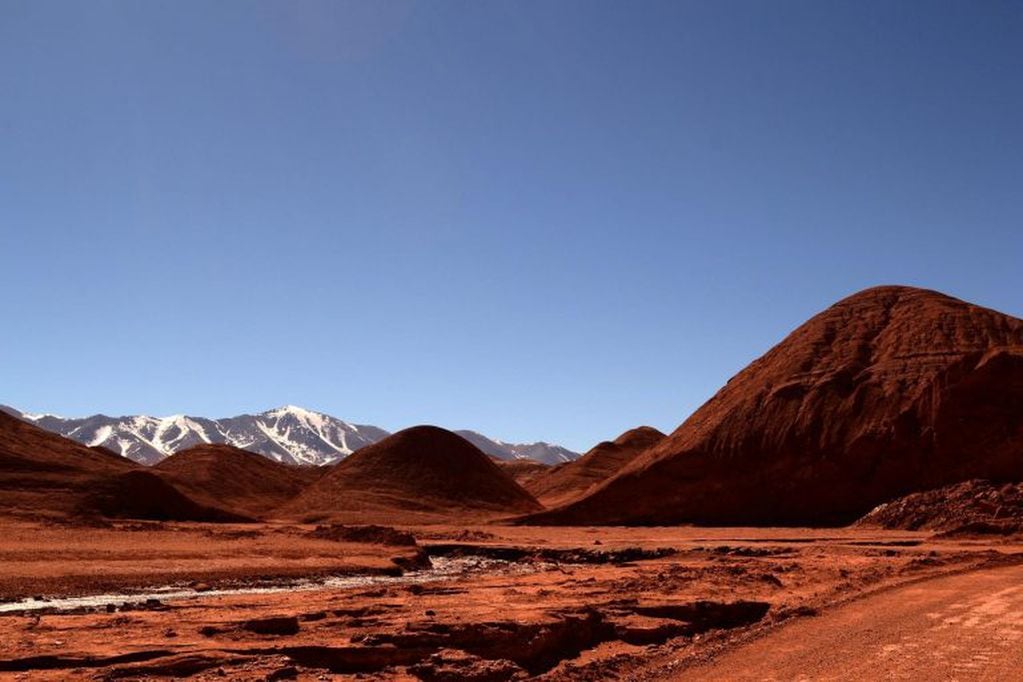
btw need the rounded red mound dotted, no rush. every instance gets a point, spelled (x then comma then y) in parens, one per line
(421, 473)
(890, 391)
(241, 480)
(42, 473)
(573, 479)
(140, 494)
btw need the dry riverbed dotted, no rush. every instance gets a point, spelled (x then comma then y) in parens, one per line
(256, 602)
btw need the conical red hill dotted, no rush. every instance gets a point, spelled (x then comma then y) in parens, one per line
(419, 474)
(142, 494)
(573, 479)
(889, 391)
(228, 476)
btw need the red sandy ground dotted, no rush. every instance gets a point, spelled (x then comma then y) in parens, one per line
(964, 626)
(546, 615)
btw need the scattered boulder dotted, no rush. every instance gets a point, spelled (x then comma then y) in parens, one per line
(982, 529)
(288, 672)
(549, 554)
(453, 665)
(535, 647)
(417, 561)
(273, 625)
(370, 534)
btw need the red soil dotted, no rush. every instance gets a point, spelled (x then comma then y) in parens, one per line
(417, 474)
(890, 391)
(574, 479)
(557, 608)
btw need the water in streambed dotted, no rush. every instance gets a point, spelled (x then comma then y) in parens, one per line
(443, 569)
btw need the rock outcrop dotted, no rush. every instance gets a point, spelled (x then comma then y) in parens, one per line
(971, 506)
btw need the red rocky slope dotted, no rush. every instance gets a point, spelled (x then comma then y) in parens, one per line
(238, 479)
(887, 392)
(421, 473)
(572, 480)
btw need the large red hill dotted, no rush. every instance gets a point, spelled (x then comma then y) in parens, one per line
(887, 392)
(240, 480)
(43, 473)
(419, 474)
(142, 494)
(573, 479)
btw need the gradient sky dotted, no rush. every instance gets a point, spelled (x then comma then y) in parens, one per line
(540, 220)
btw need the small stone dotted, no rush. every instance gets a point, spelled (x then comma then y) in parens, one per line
(274, 625)
(287, 673)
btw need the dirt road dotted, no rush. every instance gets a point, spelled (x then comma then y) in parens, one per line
(964, 627)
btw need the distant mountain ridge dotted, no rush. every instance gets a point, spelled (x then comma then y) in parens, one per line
(539, 451)
(289, 434)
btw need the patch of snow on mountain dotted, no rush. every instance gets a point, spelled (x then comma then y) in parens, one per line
(101, 435)
(288, 434)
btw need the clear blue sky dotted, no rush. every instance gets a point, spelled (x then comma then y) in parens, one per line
(541, 220)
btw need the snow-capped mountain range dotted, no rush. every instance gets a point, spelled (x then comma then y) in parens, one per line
(539, 451)
(289, 434)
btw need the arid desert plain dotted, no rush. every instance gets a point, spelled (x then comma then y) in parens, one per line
(849, 506)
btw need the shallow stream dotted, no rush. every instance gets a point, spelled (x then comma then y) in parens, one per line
(443, 569)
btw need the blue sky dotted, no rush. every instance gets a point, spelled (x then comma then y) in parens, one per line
(540, 220)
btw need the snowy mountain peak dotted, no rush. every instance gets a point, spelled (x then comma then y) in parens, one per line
(41, 415)
(288, 434)
(539, 451)
(294, 410)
